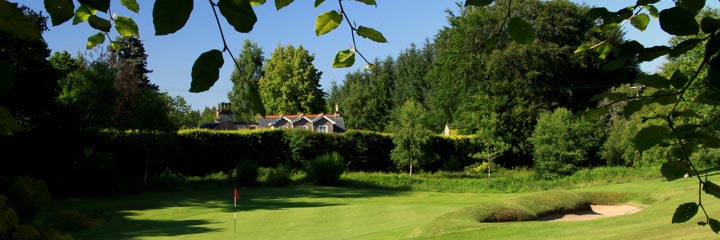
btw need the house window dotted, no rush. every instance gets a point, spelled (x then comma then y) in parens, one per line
(322, 129)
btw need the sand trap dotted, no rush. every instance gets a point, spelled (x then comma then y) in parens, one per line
(598, 211)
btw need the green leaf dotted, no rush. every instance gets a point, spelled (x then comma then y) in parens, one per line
(629, 49)
(612, 96)
(255, 100)
(371, 34)
(521, 31)
(239, 13)
(256, 2)
(169, 16)
(692, 6)
(622, 14)
(709, 24)
(94, 40)
(327, 22)
(653, 11)
(712, 46)
(344, 58)
(646, 2)
(634, 106)
(7, 76)
(685, 212)
(100, 5)
(714, 225)
(99, 23)
(318, 2)
(713, 75)
(8, 124)
(115, 45)
(684, 47)
(604, 50)
(595, 113)
(654, 81)
(678, 79)
(678, 21)
(652, 53)
(478, 3)
(126, 27)
(673, 170)
(206, 70)
(82, 14)
(598, 12)
(640, 21)
(131, 5)
(279, 4)
(650, 136)
(16, 24)
(614, 64)
(685, 113)
(368, 2)
(581, 49)
(60, 10)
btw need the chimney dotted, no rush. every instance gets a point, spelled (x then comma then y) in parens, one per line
(337, 110)
(224, 114)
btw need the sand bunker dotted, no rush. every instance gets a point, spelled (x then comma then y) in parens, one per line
(598, 211)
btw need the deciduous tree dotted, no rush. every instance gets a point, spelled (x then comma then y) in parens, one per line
(291, 83)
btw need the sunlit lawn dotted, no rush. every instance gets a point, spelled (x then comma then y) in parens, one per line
(311, 212)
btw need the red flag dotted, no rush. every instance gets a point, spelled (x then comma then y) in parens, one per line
(235, 193)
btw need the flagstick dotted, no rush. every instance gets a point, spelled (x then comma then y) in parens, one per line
(235, 214)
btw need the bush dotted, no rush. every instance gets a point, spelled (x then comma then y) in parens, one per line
(326, 169)
(246, 173)
(278, 176)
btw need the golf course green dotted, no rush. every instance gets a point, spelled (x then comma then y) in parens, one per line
(317, 212)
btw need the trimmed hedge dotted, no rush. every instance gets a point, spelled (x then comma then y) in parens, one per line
(97, 161)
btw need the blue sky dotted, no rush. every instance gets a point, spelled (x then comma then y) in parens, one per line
(402, 22)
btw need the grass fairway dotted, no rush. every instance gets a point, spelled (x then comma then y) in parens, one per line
(311, 212)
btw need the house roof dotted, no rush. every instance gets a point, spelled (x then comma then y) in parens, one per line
(335, 119)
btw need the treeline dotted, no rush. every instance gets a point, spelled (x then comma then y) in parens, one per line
(500, 90)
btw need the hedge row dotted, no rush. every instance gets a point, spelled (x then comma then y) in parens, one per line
(94, 159)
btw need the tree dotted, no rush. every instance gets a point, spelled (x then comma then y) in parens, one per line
(334, 97)
(491, 145)
(248, 71)
(411, 67)
(291, 83)
(411, 138)
(139, 104)
(181, 113)
(514, 80)
(208, 115)
(65, 63)
(562, 143)
(28, 85)
(366, 96)
(88, 93)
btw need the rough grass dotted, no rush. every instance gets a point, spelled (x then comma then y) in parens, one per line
(505, 181)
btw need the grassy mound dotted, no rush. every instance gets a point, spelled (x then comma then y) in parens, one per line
(524, 208)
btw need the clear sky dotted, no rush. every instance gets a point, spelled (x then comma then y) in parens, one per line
(402, 22)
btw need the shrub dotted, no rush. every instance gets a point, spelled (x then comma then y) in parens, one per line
(326, 169)
(275, 176)
(246, 173)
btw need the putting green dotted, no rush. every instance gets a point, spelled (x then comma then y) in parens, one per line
(311, 212)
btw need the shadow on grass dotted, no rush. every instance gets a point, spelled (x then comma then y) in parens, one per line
(182, 212)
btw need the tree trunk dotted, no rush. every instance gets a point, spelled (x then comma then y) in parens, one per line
(411, 163)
